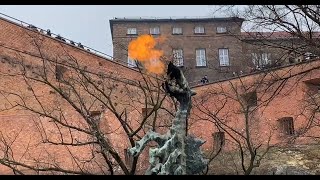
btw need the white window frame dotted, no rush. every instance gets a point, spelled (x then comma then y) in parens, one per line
(177, 57)
(307, 55)
(177, 30)
(132, 31)
(155, 30)
(221, 29)
(201, 57)
(261, 59)
(266, 58)
(224, 57)
(131, 62)
(255, 59)
(199, 30)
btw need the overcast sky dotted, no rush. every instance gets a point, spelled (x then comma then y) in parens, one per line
(89, 24)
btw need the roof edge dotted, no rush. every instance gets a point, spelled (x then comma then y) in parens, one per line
(208, 19)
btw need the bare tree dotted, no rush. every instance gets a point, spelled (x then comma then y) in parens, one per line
(93, 115)
(291, 29)
(243, 136)
(78, 111)
(241, 110)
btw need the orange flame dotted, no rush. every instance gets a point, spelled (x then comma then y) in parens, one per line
(143, 50)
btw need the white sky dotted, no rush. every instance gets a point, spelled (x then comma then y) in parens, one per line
(89, 24)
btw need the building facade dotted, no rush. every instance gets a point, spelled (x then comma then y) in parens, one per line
(199, 46)
(216, 47)
(273, 49)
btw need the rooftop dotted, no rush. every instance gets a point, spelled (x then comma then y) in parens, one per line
(174, 19)
(117, 20)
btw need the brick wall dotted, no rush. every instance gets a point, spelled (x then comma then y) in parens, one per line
(21, 45)
(291, 98)
(14, 38)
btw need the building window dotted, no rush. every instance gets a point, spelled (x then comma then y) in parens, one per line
(261, 59)
(60, 70)
(309, 55)
(286, 125)
(132, 31)
(224, 57)
(199, 30)
(221, 30)
(265, 57)
(218, 139)
(146, 111)
(176, 30)
(131, 62)
(154, 30)
(201, 57)
(177, 57)
(313, 86)
(95, 113)
(250, 99)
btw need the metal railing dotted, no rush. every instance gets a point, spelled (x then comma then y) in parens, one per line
(56, 36)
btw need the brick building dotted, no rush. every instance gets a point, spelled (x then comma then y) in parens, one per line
(271, 49)
(204, 46)
(28, 44)
(215, 47)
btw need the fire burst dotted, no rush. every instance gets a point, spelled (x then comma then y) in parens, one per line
(143, 50)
